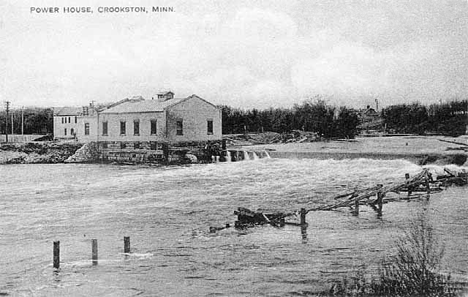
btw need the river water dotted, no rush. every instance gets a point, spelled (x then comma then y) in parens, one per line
(167, 212)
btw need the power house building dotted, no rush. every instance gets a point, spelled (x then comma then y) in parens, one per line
(137, 130)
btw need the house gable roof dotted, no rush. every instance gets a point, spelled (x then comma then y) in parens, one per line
(148, 105)
(68, 111)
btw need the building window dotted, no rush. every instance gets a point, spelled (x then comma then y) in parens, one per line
(104, 128)
(136, 145)
(122, 127)
(153, 145)
(153, 127)
(136, 127)
(209, 127)
(62, 120)
(65, 132)
(104, 145)
(69, 120)
(122, 145)
(76, 121)
(72, 131)
(86, 128)
(179, 127)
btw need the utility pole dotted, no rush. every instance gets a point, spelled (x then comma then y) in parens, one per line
(22, 120)
(12, 124)
(7, 107)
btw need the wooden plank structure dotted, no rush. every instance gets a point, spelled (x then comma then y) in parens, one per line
(373, 197)
(246, 218)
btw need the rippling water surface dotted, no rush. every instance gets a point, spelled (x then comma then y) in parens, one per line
(167, 213)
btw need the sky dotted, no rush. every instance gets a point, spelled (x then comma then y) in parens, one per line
(247, 54)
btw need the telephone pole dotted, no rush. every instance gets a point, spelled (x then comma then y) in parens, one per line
(22, 120)
(7, 107)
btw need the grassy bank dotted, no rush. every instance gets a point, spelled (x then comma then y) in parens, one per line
(411, 267)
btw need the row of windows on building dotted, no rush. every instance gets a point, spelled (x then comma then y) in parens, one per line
(153, 127)
(66, 120)
(136, 128)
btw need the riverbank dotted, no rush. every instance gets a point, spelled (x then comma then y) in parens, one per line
(417, 149)
(37, 152)
(420, 150)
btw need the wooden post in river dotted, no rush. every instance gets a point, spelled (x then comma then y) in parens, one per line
(126, 244)
(407, 177)
(94, 251)
(56, 254)
(379, 202)
(303, 216)
(304, 233)
(428, 186)
(356, 207)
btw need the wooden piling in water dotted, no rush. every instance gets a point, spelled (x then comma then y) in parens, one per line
(126, 244)
(407, 177)
(56, 254)
(380, 201)
(304, 233)
(428, 186)
(94, 249)
(356, 207)
(303, 216)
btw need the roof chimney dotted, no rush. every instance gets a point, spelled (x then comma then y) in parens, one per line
(164, 96)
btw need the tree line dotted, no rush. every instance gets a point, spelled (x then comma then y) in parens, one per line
(312, 115)
(444, 118)
(33, 120)
(328, 121)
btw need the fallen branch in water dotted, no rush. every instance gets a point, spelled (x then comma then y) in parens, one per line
(374, 197)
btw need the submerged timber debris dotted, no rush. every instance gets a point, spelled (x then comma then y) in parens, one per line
(374, 197)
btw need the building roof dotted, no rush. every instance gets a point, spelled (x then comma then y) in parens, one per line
(147, 105)
(68, 111)
(142, 106)
(165, 93)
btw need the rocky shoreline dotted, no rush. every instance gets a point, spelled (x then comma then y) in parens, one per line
(419, 150)
(37, 152)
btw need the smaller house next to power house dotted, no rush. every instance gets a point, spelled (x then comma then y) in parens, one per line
(76, 123)
(80, 123)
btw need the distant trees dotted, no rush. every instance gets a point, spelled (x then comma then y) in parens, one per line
(346, 124)
(445, 118)
(313, 115)
(36, 121)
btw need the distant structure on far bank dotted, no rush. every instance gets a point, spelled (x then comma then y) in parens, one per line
(138, 123)
(371, 121)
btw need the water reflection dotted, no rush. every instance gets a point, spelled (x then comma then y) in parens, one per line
(304, 233)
